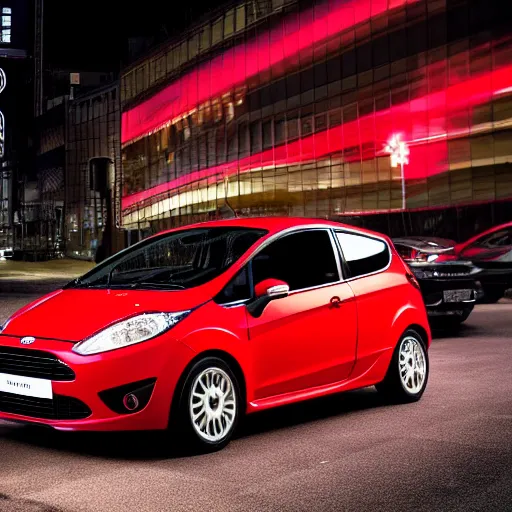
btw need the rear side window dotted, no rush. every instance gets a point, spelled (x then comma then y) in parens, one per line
(363, 255)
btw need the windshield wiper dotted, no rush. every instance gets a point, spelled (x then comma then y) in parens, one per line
(155, 286)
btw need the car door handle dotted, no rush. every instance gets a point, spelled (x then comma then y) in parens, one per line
(335, 302)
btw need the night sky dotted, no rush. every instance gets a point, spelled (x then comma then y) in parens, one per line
(95, 35)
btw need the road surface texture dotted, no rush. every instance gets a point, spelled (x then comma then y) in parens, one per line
(452, 451)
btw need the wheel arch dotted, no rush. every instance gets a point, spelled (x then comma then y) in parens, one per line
(411, 317)
(422, 332)
(229, 359)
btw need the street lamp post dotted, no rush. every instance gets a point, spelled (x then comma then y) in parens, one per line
(399, 154)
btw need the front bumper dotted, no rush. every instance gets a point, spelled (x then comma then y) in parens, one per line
(159, 362)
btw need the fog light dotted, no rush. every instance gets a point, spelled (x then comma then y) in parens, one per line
(131, 402)
(129, 398)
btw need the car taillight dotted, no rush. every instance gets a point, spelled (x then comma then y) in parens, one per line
(412, 279)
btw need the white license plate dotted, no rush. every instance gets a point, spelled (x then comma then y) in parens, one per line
(26, 386)
(457, 295)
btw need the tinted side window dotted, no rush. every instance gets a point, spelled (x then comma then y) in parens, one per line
(302, 260)
(364, 255)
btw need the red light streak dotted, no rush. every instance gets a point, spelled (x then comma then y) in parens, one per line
(424, 121)
(238, 65)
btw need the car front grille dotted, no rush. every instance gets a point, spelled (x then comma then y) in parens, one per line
(60, 408)
(452, 272)
(34, 363)
(431, 271)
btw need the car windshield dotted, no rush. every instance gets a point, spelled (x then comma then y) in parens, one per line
(174, 261)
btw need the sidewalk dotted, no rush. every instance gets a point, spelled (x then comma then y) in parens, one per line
(40, 277)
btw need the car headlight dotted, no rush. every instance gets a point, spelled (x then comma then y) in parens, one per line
(432, 257)
(129, 332)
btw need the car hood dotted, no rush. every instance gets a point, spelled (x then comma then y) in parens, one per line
(75, 314)
(428, 245)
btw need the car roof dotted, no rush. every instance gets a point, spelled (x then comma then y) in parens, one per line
(272, 224)
(487, 232)
(426, 242)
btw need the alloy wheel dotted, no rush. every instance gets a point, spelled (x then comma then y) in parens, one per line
(412, 365)
(213, 405)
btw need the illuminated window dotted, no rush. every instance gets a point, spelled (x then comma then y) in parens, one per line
(6, 10)
(6, 35)
(6, 21)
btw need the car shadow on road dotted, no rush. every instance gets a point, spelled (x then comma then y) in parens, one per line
(460, 331)
(155, 445)
(311, 411)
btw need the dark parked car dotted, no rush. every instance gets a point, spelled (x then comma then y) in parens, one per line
(492, 252)
(449, 288)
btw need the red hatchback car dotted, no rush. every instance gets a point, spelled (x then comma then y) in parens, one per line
(194, 327)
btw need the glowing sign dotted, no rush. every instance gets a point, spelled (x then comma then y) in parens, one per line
(3, 83)
(3, 80)
(2, 134)
(398, 151)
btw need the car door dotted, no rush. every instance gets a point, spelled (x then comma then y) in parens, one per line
(308, 338)
(377, 284)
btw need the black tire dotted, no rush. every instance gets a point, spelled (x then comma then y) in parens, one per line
(184, 433)
(392, 387)
(492, 295)
(466, 314)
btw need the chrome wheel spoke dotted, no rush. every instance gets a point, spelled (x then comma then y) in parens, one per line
(213, 404)
(412, 365)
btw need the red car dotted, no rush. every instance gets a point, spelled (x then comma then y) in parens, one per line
(194, 327)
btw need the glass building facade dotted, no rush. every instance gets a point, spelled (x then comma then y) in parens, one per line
(395, 114)
(92, 131)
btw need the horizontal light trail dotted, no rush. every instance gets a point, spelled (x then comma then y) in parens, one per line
(236, 66)
(427, 118)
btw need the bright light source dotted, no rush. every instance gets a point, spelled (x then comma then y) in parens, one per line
(398, 151)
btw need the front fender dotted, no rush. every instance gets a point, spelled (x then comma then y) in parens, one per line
(223, 330)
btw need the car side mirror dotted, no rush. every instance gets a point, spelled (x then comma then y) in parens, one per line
(265, 292)
(272, 288)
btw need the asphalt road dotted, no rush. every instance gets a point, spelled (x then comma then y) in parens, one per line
(452, 451)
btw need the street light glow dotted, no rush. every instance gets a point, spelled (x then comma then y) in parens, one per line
(398, 151)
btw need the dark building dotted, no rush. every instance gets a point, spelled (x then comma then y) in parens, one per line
(392, 114)
(15, 113)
